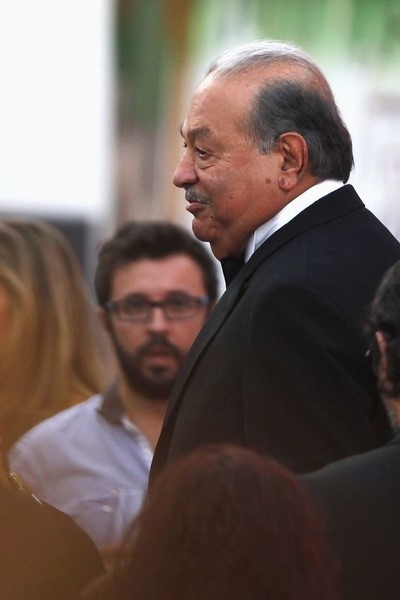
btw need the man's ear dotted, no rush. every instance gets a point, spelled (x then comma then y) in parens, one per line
(294, 151)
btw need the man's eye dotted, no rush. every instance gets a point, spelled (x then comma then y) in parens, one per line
(134, 305)
(201, 153)
(178, 302)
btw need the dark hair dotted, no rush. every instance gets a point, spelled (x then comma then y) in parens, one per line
(283, 106)
(225, 522)
(298, 99)
(138, 240)
(384, 316)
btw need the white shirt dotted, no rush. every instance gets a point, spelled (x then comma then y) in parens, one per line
(288, 213)
(90, 464)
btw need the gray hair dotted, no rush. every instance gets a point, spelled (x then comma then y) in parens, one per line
(260, 53)
(297, 99)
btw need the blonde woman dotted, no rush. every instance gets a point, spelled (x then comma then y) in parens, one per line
(49, 357)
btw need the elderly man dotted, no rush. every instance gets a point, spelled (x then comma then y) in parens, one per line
(280, 365)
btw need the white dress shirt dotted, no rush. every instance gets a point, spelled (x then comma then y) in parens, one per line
(288, 213)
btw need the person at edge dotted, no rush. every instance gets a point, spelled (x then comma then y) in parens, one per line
(359, 496)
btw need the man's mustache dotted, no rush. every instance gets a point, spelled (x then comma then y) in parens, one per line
(192, 196)
(160, 343)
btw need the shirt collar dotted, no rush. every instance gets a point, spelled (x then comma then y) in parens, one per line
(111, 407)
(288, 213)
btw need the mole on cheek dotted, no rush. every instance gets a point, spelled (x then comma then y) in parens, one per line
(268, 181)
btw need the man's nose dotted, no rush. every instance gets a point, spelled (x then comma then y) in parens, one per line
(157, 320)
(185, 173)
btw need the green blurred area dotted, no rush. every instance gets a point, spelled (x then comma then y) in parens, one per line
(157, 38)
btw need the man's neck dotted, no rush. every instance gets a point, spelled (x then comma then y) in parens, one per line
(145, 414)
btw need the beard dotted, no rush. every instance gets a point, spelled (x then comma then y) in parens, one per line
(154, 382)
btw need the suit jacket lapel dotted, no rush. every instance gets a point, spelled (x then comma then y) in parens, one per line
(213, 324)
(327, 208)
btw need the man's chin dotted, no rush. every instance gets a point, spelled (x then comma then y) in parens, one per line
(156, 391)
(155, 385)
(160, 369)
(200, 230)
(151, 377)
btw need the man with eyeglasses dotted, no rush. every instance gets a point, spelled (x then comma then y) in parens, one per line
(155, 285)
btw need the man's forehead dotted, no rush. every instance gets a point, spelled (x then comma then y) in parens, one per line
(212, 104)
(201, 132)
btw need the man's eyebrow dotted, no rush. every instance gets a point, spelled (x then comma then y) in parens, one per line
(197, 132)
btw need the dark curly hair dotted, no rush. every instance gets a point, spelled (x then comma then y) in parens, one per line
(136, 240)
(226, 522)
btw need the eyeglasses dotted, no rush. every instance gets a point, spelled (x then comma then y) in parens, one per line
(138, 308)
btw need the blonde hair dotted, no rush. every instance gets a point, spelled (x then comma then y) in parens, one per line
(48, 348)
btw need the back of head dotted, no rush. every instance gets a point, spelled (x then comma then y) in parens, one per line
(384, 316)
(293, 96)
(138, 240)
(48, 354)
(225, 522)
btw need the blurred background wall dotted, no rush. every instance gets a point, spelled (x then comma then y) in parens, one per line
(57, 139)
(94, 91)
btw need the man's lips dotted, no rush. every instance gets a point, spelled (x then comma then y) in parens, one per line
(196, 203)
(158, 352)
(194, 207)
(159, 358)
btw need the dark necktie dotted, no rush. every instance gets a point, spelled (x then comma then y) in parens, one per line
(231, 266)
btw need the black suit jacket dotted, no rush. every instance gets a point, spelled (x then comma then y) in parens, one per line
(280, 364)
(360, 499)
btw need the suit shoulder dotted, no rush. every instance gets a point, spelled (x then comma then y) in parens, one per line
(367, 471)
